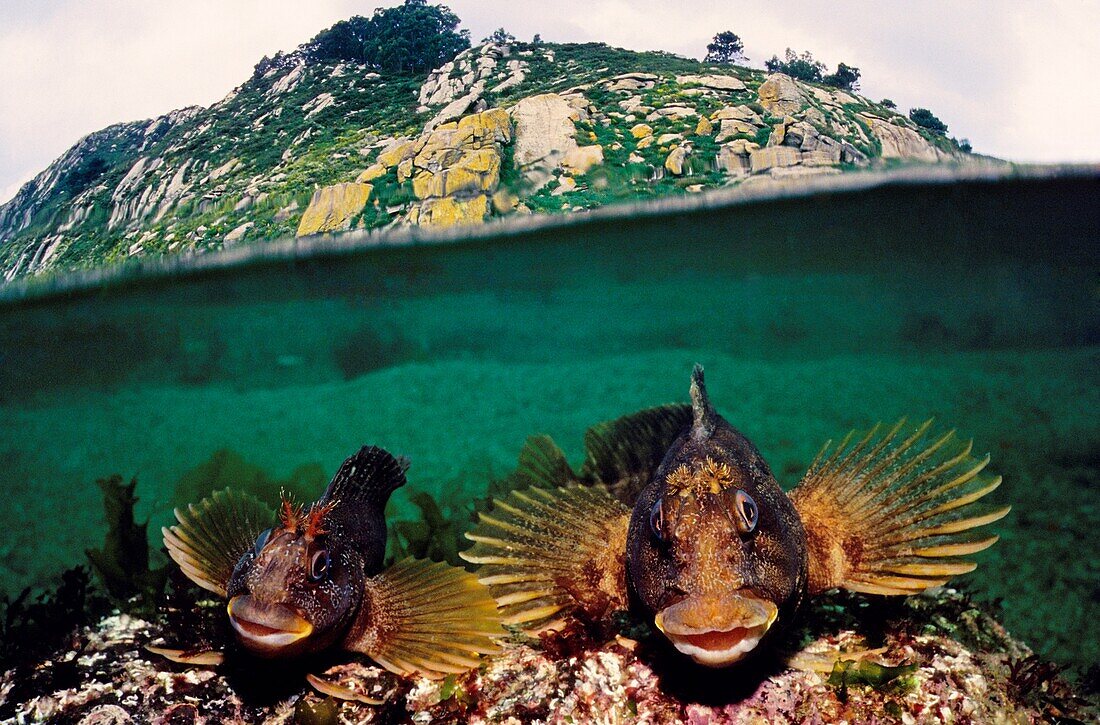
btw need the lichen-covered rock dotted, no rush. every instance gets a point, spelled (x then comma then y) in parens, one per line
(705, 127)
(713, 82)
(955, 664)
(899, 142)
(641, 130)
(733, 158)
(544, 133)
(332, 208)
(581, 159)
(731, 127)
(449, 211)
(780, 95)
(773, 156)
(396, 152)
(674, 162)
(371, 173)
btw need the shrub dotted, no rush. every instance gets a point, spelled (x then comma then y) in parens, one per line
(846, 77)
(925, 119)
(801, 66)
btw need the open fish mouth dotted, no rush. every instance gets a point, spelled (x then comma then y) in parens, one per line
(717, 629)
(266, 629)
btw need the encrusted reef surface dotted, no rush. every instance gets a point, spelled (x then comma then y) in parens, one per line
(946, 660)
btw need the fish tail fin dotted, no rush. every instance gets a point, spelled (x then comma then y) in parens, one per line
(212, 535)
(894, 512)
(546, 554)
(369, 477)
(425, 617)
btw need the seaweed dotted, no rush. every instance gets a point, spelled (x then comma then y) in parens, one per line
(123, 562)
(868, 673)
(228, 469)
(30, 628)
(434, 535)
(1038, 683)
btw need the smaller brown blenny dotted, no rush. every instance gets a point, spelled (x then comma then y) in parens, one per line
(313, 578)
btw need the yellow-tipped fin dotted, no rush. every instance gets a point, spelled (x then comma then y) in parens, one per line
(892, 512)
(424, 617)
(547, 554)
(214, 534)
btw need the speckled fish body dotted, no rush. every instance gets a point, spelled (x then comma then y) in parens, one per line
(676, 516)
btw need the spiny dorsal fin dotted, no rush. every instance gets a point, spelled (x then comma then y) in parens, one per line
(623, 454)
(704, 417)
(548, 554)
(214, 534)
(892, 513)
(368, 477)
(424, 617)
(356, 501)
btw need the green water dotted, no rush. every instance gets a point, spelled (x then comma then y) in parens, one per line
(976, 303)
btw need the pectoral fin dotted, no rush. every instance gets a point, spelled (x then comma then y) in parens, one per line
(547, 554)
(424, 617)
(894, 513)
(210, 658)
(214, 534)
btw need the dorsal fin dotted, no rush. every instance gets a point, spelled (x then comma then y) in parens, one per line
(357, 499)
(704, 417)
(368, 477)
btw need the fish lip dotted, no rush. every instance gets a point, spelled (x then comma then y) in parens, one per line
(266, 629)
(717, 629)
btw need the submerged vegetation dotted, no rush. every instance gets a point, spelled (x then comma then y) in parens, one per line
(122, 565)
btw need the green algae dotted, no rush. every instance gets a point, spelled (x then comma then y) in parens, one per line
(122, 564)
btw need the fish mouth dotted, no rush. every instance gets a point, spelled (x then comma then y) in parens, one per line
(717, 629)
(266, 629)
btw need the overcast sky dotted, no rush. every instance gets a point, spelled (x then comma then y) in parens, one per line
(1019, 79)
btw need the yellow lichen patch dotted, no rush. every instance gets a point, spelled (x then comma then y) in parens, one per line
(641, 130)
(395, 154)
(332, 208)
(449, 212)
(485, 127)
(709, 477)
(371, 173)
(705, 127)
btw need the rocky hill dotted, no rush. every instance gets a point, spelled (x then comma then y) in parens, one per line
(306, 147)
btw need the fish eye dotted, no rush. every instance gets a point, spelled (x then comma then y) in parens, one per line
(747, 512)
(261, 541)
(319, 565)
(657, 520)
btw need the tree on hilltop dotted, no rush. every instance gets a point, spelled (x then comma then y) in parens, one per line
(726, 47)
(801, 66)
(410, 38)
(925, 119)
(414, 37)
(500, 36)
(846, 77)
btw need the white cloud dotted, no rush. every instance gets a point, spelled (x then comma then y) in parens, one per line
(1010, 76)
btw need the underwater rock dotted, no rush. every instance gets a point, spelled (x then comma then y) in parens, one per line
(966, 668)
